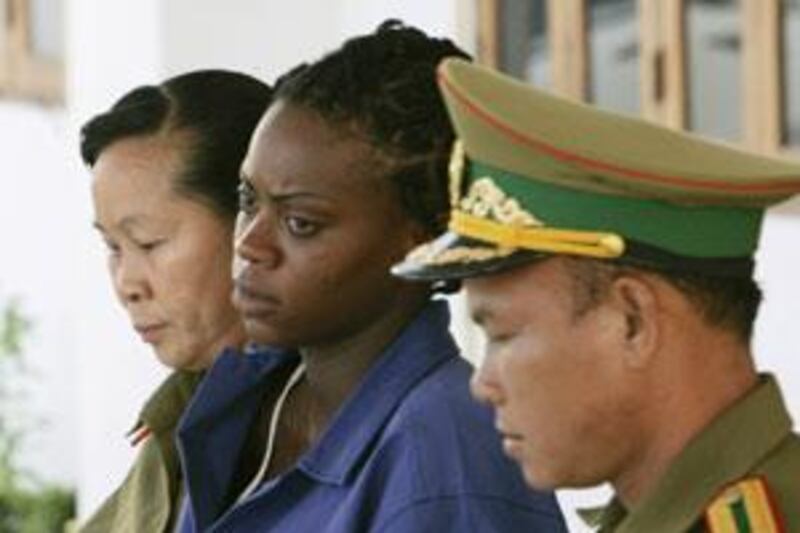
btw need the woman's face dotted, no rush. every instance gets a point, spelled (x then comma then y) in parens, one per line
(319, 226)
(169, 255)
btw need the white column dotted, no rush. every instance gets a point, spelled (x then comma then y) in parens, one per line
(113, 45)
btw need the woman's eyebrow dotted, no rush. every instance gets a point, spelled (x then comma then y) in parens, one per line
(295, 195)
(283, 197)
(124, 223)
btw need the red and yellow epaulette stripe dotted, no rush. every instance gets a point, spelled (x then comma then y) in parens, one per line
(138, 434)
(744, 507)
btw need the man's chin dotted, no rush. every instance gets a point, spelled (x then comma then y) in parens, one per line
(538, 482)
(540, 478)
(176, 359)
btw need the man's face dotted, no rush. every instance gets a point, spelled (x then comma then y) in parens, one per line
(557, 382)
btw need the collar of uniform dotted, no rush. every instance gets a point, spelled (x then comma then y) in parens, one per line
(422, 346)
(235, 378)
(603, 518)
(724, 451)
(166, 405)
(225, 403)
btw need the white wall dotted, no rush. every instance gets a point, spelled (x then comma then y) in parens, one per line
(112, 45)
(360, 16)
(262, 38)
(777, 339)
(37, 223)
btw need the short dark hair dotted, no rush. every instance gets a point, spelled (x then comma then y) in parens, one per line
(219, 109)
(383, 86)
(727, 302)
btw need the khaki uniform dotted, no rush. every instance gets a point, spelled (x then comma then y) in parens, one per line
(147, 501)
(751, 440)
(534, 176)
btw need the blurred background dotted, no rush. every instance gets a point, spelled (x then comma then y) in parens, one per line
(72, 373)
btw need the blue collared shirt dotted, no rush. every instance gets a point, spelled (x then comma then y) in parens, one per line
(409, 451)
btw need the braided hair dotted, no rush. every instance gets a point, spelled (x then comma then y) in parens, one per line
(383, 87)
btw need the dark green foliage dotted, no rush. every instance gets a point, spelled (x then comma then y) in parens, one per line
(26, 505)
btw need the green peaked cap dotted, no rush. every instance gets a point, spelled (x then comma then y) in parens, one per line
(533, 173)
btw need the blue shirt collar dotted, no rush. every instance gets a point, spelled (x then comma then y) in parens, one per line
(225, 404)
(224, 407)
(421, 347)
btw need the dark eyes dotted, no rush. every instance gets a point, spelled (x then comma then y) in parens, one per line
(300, 227)
(497, 340)
(111, 246)
(296, 226)
(146, 246)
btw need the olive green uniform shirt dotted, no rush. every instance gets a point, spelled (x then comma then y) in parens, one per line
(146, 502)
(752, 438)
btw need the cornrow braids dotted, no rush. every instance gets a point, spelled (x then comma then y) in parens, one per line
(383, 86)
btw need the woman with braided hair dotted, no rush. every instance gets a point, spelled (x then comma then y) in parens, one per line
(358, 416)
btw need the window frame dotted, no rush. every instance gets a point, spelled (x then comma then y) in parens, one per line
(24, 74)
(664, 91)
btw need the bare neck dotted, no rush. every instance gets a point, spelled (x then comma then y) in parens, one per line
(697, 378)
(234, 336)
(334, 370)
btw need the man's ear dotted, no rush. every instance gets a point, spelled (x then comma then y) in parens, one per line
(637, 301)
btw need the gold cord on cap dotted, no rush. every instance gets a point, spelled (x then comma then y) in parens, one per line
(586, 243)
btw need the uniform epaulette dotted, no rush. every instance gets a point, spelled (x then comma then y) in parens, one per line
(746, 506)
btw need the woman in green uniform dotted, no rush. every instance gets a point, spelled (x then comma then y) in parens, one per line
(165, 167)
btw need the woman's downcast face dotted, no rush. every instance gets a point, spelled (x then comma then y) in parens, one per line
(169, 254)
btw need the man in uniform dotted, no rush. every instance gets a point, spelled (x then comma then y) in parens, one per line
(609, 262)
